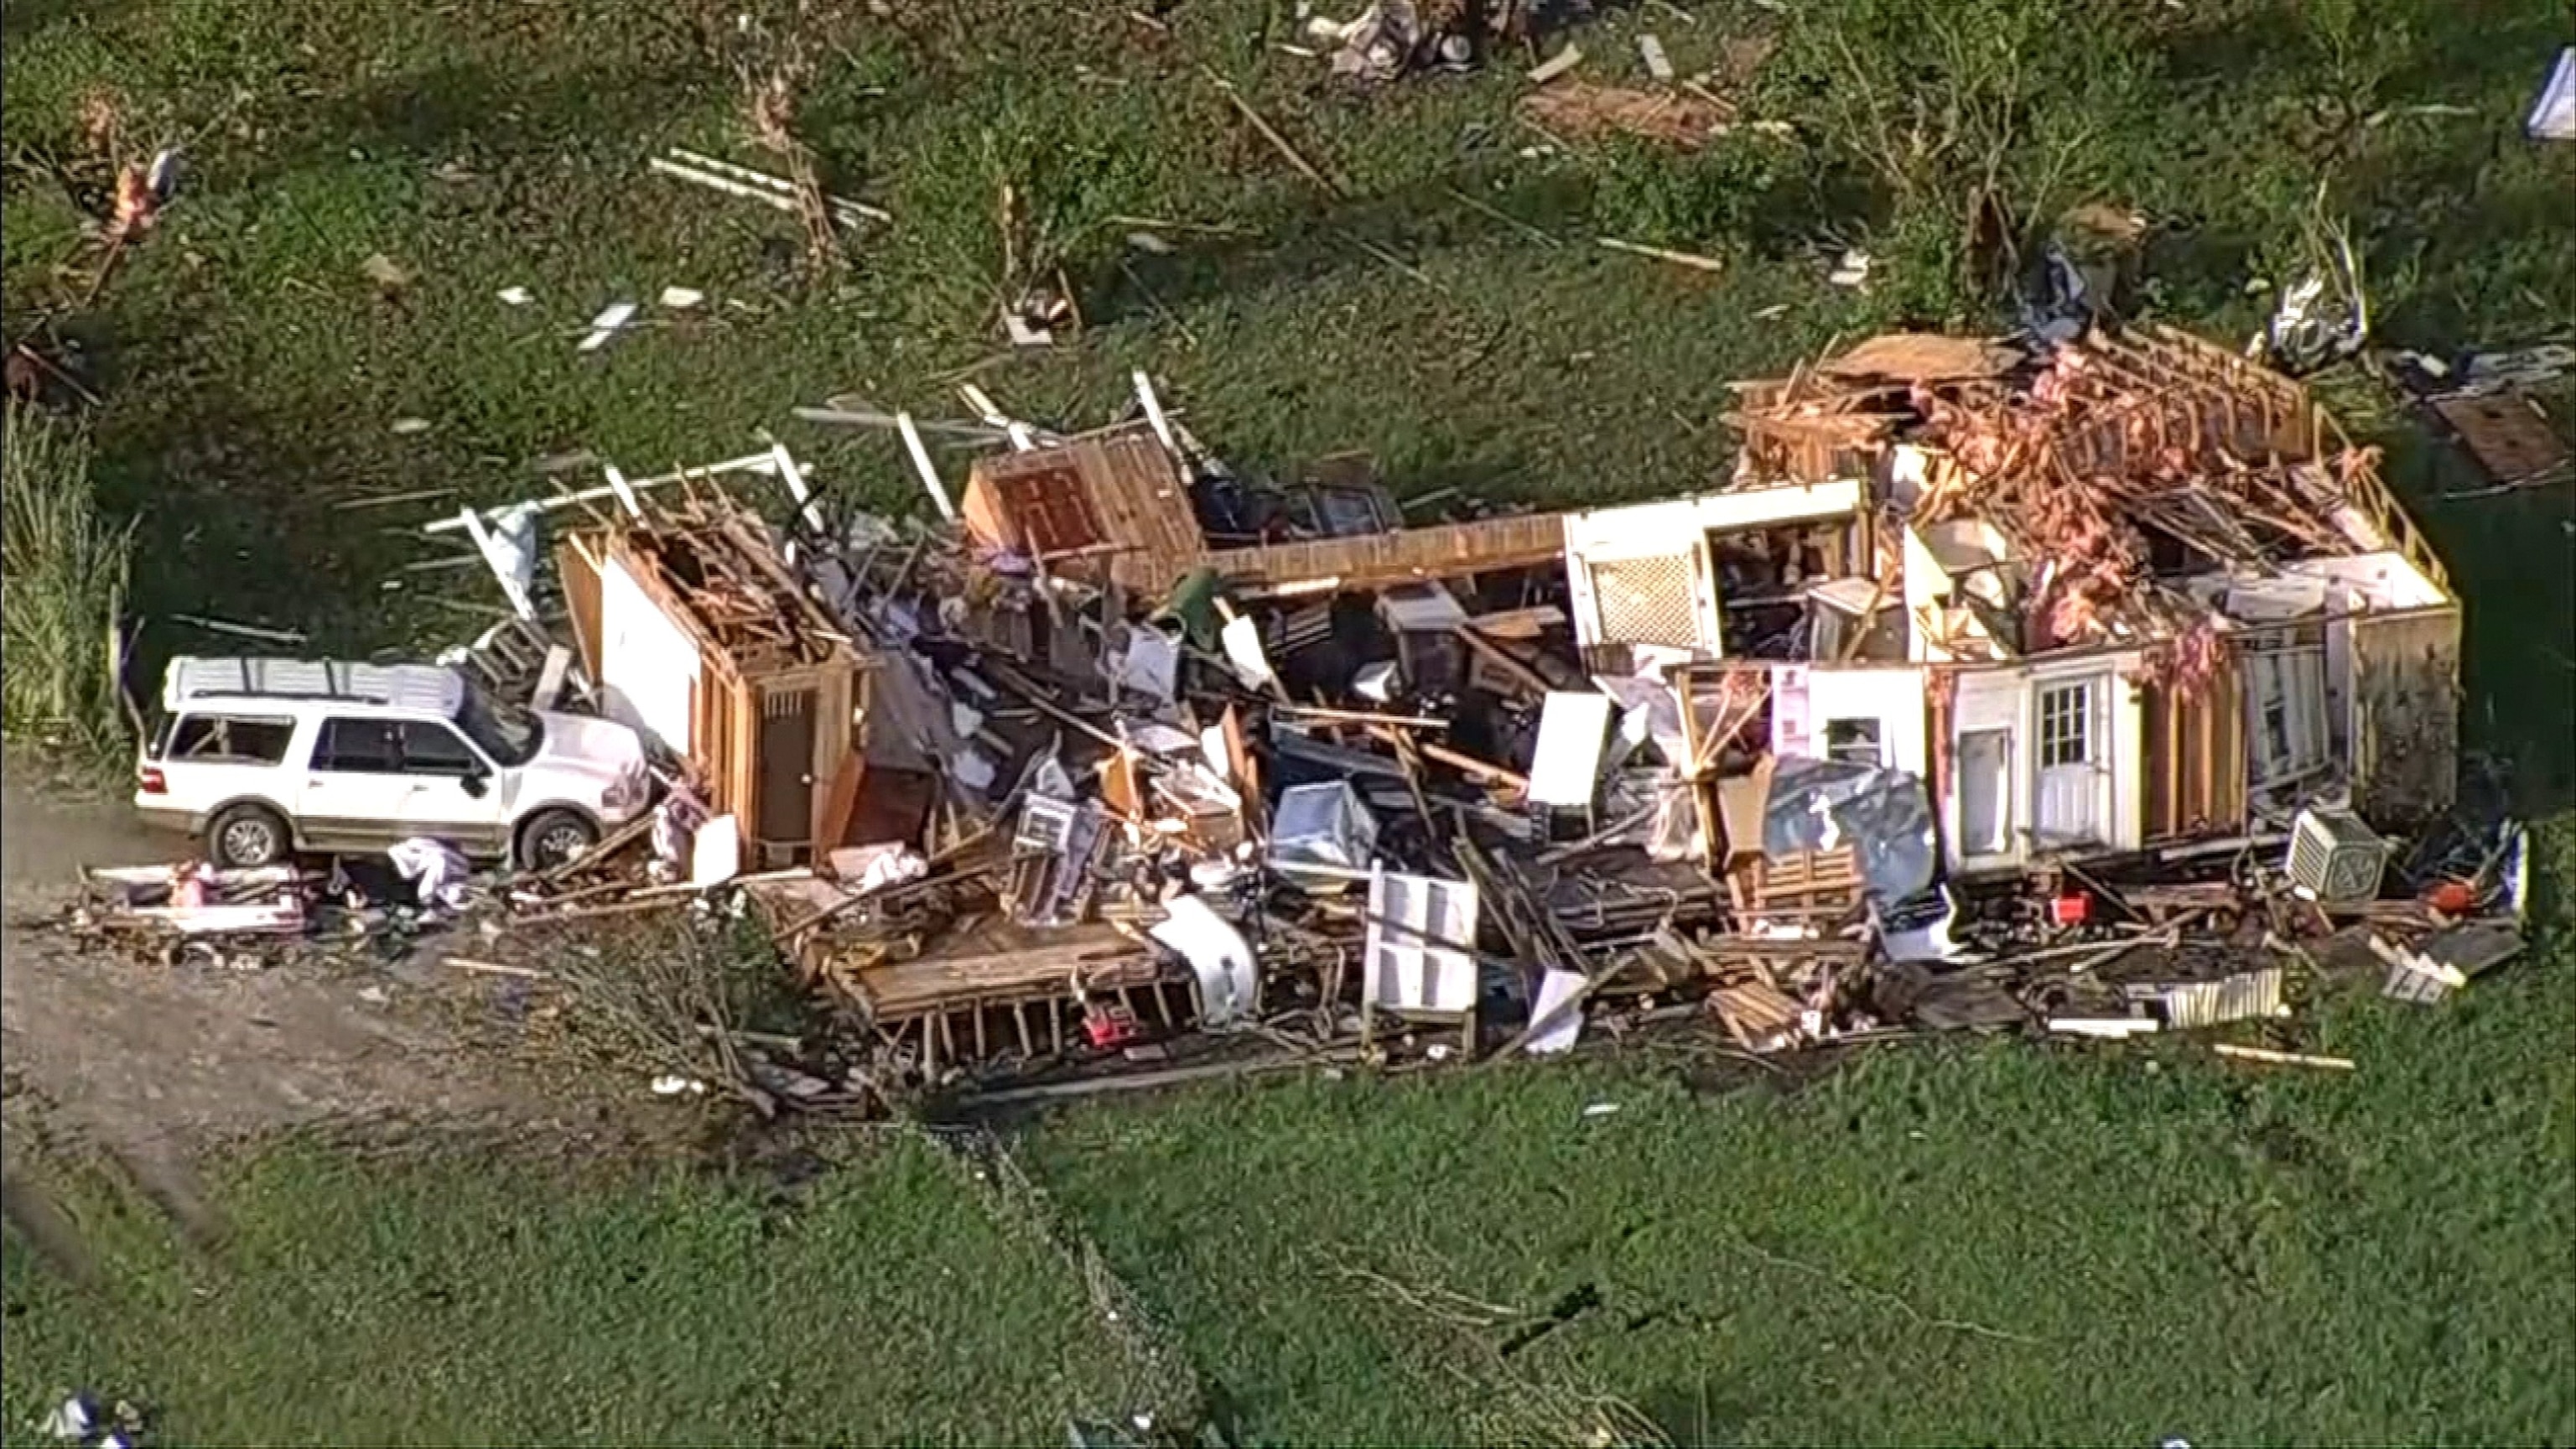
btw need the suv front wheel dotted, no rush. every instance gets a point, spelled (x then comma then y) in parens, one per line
(246, 837)
(554, 837)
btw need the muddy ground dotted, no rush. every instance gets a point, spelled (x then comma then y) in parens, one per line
(156, 1065)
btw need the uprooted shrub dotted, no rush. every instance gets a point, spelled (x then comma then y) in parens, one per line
(63, 572)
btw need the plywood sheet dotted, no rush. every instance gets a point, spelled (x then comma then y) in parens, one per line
(2406, 714)
(1134, 504)
(2508, 436)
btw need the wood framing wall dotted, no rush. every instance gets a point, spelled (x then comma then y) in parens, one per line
(2195, 757)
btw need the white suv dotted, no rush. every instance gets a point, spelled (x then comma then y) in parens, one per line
(264, 757)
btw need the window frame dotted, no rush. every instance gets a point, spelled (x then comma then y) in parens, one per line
(173, 745)
(474, 766)
(1863, 730)
(2065, 735)
(324, 761)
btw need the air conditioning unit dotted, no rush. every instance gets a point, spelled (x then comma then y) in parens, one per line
(2335, 859)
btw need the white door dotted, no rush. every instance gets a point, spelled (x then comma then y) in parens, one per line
(2070, 735)
(455, 793)
(354, 791)
(1985, 792)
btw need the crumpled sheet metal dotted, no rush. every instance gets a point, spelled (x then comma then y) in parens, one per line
(1322, 825)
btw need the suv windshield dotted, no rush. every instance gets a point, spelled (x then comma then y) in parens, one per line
(508, 733)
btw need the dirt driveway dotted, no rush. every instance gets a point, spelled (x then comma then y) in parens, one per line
(141, 1058)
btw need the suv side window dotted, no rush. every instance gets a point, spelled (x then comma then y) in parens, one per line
(357, 746)
(229, 739)
(434, 749)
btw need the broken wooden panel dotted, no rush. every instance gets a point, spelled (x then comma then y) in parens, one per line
(1910, 357)
(2195, 757)
(579, 572)
(2406, 714)
(1042, 512)
(1119, 489)
(893, 803)
(1375, 561)
(1000, 965)
(1760, 1016)
(2508, 435)
(2368, 493)
(1802, 883)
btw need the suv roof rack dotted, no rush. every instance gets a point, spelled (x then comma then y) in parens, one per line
(391, 686)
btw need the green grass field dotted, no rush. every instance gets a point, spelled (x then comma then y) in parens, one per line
(1939, 1244)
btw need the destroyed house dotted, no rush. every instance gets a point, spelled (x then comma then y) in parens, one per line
(1128, 744)
(697, 633)
(2134, 595)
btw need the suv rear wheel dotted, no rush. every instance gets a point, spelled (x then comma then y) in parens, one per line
(245, 837)
(554, 837)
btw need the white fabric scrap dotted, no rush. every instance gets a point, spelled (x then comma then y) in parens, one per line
(2554, 117)
(1242, 639)
(72, 1422)
(715, 852)
(675, 826)
(437, 868)
(867, 868)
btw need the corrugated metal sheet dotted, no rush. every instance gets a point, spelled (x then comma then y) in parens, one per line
(2245, 996)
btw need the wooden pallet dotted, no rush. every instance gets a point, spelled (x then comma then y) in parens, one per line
(1810, 882)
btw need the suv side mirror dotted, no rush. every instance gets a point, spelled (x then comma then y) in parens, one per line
(474, 783)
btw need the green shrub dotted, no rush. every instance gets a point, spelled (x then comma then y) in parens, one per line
(63, 567)
(1720, 198)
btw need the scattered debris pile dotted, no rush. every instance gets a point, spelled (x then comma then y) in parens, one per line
(2056, 688)
(78, 1419)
